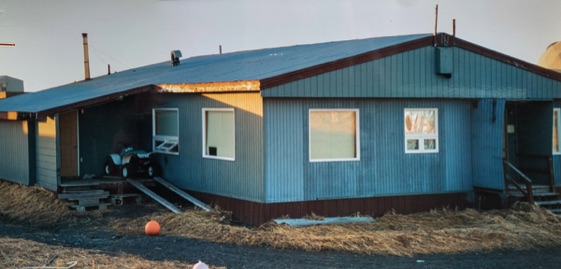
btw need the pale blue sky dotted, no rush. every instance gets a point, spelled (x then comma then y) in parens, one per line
(132, 33)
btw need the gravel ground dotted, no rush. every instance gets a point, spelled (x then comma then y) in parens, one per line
(160, 248)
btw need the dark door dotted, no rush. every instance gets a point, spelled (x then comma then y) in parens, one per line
(68, 124)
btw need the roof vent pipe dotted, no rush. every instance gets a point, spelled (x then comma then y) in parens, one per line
(86, 57)
(175, 55)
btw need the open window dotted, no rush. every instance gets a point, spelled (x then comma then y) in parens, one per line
(165, 130)
(219, 133)
(334, 135)
(421, 130)
(555, 135)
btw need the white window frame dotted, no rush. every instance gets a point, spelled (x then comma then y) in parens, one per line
(558, 111)
(164, 143)
(421, 137)
(204, 122)
(357, 135)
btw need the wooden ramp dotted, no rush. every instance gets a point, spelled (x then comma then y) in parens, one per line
(137, 184)
(183, 194)
(154, 196)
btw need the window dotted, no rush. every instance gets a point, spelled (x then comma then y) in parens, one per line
(219, 134)
(555, 134)
(333, 135)
(165, 130)
(421, 130)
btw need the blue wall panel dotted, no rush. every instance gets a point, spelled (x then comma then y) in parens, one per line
(383, 169)
(284, 146)
(242, 178)
(487, 143)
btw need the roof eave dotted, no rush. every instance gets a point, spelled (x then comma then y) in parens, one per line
(94, 101)
(211, 87)
(448, 40)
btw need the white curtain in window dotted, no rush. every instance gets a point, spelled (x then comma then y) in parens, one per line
(333, 135)
(220, 134)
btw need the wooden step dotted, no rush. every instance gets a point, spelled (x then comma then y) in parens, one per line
(535, 188)
(536, 194)
(77, 195)
(556, 211)
(546, 203)
(85, 183)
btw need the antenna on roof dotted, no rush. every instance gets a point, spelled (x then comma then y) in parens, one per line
(435, 23)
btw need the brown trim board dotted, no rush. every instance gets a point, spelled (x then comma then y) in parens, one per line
(254, 213)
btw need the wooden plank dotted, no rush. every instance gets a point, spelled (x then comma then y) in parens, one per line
(153, 195)
(82, 208)
(85, 195)
(183, 194)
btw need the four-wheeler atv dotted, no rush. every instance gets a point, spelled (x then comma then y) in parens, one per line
(131, 163)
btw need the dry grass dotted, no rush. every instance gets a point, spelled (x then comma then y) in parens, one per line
(40, 206)
(437, 231)
(21, 253)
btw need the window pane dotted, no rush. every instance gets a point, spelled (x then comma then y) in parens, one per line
(166, 123)
(220, 134)
(420, 122)
(555, 134)
(333, 135)
(412, 144)
(421, 130)
(430, 144)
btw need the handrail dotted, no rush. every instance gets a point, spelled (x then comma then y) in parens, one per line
(548, 171)
(528, 193)
(528, 180)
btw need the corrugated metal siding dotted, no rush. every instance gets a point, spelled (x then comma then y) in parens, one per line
(284, 149)
(487, 143)
(557, 169)
(46, 150)
(242, 178)
(412, 74)
(14, 151)
(383, 170)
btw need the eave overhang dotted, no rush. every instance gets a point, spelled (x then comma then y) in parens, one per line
(211, 87)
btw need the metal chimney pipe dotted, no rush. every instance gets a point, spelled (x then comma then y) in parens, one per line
(86, 57)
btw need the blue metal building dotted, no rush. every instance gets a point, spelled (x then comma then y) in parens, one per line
(406, 123)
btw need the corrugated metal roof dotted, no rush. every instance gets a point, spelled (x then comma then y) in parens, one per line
(236, 66)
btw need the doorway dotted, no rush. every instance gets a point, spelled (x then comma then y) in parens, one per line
(527, 137)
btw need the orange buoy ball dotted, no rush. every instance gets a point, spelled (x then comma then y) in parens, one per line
(152, 228)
